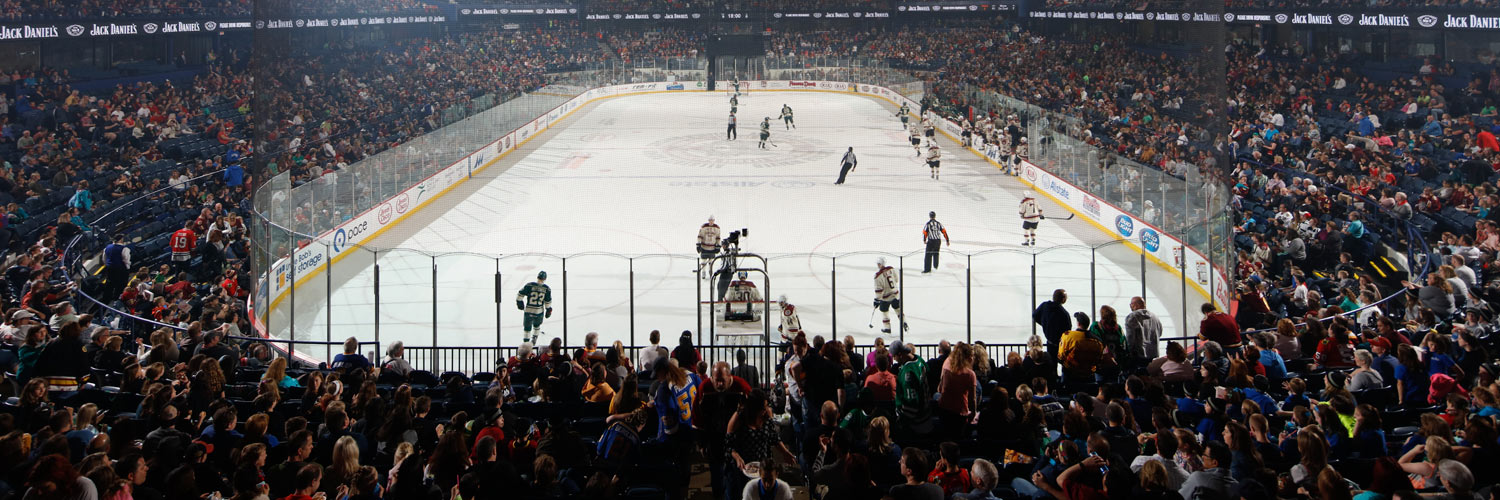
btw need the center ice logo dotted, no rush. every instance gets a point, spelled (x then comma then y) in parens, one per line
(1124, 225)
(711, 151)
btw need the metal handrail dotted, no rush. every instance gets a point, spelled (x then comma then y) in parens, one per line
(68, 275)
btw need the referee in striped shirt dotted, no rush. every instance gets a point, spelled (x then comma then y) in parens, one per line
(934, 234)
(849, 162)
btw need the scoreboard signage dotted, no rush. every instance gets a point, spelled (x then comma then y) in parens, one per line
(516, 10)
(1348, 19)
(954, 7)
(116, 28)
(643, 16)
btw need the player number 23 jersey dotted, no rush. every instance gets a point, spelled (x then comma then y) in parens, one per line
(537, 296)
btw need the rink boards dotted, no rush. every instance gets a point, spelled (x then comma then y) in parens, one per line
(309, 261)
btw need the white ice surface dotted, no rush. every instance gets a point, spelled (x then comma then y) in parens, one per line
(636, 176)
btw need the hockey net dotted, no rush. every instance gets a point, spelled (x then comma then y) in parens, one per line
(742, 313)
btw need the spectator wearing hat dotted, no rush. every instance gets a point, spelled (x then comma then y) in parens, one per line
(64, 362)
(1382, 359)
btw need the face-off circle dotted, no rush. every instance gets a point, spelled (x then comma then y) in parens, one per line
(712, 151)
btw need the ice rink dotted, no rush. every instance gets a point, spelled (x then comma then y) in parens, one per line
(621, 186)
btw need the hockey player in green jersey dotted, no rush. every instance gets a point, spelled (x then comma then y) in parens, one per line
(536, 300)
(786, 116)
(904, 114)
(765, 131)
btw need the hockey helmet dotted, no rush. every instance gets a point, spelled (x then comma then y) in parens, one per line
(1023, 139)
(742, 275)
(781, 300)
(541, 275)
(768, 118)
(880, 262)
(1028, 194)
(710, 217)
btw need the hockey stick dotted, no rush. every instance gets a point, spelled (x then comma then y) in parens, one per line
(872, 318)
(1069, 217)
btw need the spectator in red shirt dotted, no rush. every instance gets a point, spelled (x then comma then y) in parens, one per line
(1487, 140)
(231, 285)
(882, 382)
(1220, 327)
(308, 480)
(1336, 350)
(182, 243)
(182, 286)
(946, 472)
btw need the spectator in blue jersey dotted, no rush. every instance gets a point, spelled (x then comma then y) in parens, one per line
(234, 175)
(1268, 357)
(351, 359)
(676, 396)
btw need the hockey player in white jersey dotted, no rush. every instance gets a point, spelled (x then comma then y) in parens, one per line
(708, 239)
(916, 139)
(790, 324)
(1031, 214)
(1018, 156)
(934, 158)
(887, 295)
(928, 130)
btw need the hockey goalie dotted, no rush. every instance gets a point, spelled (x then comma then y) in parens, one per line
(740, 302)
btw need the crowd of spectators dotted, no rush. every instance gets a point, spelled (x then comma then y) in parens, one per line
(1399, 399)
(812, 44)
(337, 107)
(631, 45)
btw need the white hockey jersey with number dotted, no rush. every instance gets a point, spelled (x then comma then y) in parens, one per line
(933, 154)
(790, 324)
(916, 133)
(1030, 210)
(708, 237)
(885, 284)
(743, 291)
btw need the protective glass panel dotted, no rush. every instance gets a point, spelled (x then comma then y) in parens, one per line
(1002, 296)
(665, 298)
(467, 300)
(406, 300)
(598, 288)
(516, 271)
